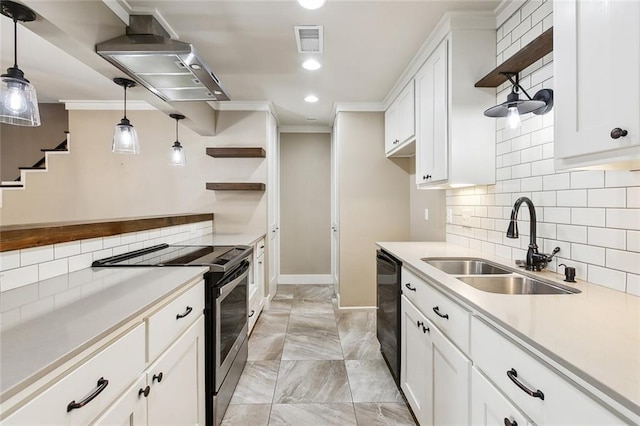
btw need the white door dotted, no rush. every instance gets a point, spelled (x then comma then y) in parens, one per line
(335, 234)
(273, 214)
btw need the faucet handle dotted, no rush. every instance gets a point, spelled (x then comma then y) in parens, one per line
(553, 253)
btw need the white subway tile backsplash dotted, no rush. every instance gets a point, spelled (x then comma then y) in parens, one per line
(543, 135)
(572, 233)
(142, 236)
(521, 142)
(530, 6)
(511, 50)
(66, 249)
(633, 284)
(503, 251)
(101, 254)
(542, 12)
(543, 167)
(512, 185)
(90, 245)
(531, 184)
(32, 256)
(541, 75)
(623, 218)
(573, 198)
(633, 241)
(521, 28)
(547, 230)
(557, 181)
(128, 238)
(604, 237)
(587, 179)
(565, 248)
(54, 268)
(112, 241)
(633, 197)
(588, 254)
(547, 150)
(511, 159)
(503, 173)
(547, 23)
(623, 261)
(544, 199)
(557, 214)
(612, 197)
(530, 35)
(503, 44)
(532, 154)
(487, 223)
(587, 216)
(475, 244)
(9, 260)
(521, 170)
(14, 278)
(614, 178)
(616, 280)
(80, 261)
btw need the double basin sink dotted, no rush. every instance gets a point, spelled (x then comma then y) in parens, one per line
(493, 278)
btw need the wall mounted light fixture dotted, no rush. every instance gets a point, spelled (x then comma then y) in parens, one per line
(176, 155)
(125, 139)
(18, 101)
(312, 4)
(514, 107)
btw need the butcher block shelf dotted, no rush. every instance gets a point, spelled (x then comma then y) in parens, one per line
(538, 48)
(236, 186)
(235, 152)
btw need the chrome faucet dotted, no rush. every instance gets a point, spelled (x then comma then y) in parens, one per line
(535, 261)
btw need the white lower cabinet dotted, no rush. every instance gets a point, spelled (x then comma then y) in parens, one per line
(256, 284)
(130, 409)
(489, 407)
(434, 373)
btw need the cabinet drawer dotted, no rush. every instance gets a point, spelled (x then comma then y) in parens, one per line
(165, 325)
(104, 377)
(259, 248)
(489, 406)
(553, 399)
(449, 317)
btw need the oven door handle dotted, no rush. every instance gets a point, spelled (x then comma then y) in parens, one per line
(226, 288)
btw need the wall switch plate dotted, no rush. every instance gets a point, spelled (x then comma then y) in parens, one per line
(449, 216)
(426, 214)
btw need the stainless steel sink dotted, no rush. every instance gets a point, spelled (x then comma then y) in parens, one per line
(466, 266)
(516, 284)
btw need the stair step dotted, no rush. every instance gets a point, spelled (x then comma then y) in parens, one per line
(32, 168)
(55, 150)
(11, 185)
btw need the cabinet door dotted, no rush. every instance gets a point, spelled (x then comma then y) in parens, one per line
(596, 67)
(130, 409)
(407, 113)
(177, 394)
(432, 143)
(415, 367)
(391, 127)
(489, 407)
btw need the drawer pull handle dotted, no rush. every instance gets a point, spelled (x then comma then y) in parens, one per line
(144, 391)
(157, 377)
(252, 313)
(437, 311)
(102, 385)
(187, 312)
(507, 422)
(407, 285)
(618, 133)
(513, 374)
(424, 329)
(262, 246)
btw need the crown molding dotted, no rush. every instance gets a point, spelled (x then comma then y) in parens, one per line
(245, 106)
(304, 129)
(355, 107)
(107, 105)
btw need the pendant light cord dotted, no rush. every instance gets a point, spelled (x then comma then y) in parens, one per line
(125, 101)
(15, 43)
(177, 130)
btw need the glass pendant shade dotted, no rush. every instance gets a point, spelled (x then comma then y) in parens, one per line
(19, 105)
(513, 118)
(176, 155)
(125, 139)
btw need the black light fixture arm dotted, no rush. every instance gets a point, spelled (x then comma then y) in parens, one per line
(516, 83)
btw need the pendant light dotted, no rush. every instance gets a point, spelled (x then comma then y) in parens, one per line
(514, 107)
(176, 154)
(125, 139)
(18, 101)
(312, 4)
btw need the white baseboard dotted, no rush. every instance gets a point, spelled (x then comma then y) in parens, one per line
(352, 308)
(305, 279)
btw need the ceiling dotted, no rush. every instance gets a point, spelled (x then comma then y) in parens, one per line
(250, 45)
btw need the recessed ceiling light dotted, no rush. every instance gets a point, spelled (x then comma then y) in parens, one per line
(312, 4)
(195, 66)
(217, 92)
(311, 98)
(311, 65)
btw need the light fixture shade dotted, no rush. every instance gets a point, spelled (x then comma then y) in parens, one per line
(177, 156)
(18, 102)
(125, 139)
(514, 101)
(312, 4)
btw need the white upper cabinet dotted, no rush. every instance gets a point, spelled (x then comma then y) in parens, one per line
(400, 123)
(597, 84)
(455, 142)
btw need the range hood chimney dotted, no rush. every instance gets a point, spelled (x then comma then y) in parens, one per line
(169, 68)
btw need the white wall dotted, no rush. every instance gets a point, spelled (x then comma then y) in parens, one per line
(93, 183)
(593, 216)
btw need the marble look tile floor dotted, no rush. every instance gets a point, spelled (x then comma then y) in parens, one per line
(310, 365)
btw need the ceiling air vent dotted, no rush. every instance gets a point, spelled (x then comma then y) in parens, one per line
(309, 38)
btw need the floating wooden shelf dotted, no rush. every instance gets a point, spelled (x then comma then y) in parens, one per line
(526, 56)
(235, 152)
(236, 186)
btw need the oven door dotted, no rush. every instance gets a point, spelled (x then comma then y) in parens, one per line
(230, 318)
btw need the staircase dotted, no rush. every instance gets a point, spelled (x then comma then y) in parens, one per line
(39, 166)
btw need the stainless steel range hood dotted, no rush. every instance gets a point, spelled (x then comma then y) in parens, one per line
(169, 68)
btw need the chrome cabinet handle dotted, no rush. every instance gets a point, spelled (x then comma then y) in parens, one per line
(512, 374)
(102, 385)
(618, 133)
(407, 285)
(144, 391)
(187, 312)
(436, 309)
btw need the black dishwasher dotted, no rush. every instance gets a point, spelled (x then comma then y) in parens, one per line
(388, 270)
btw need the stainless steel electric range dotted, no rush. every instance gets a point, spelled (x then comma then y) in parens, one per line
(225, 311)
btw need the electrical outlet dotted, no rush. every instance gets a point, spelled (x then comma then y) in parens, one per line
(426, 214)
(449, 216)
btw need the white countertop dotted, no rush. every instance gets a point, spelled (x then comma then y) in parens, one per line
(594, 334)
(231, 239)
(110, 297)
